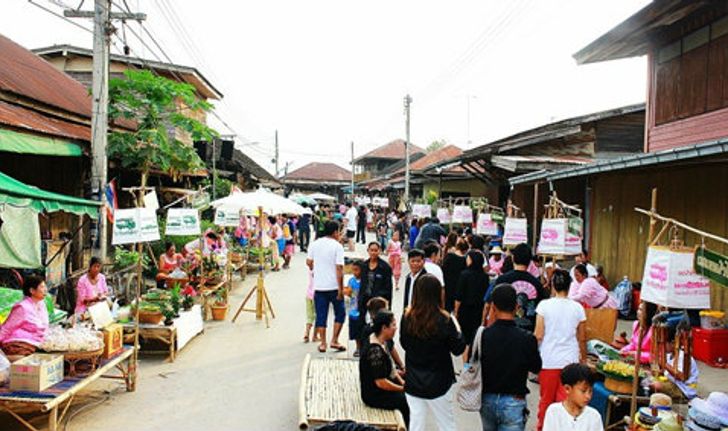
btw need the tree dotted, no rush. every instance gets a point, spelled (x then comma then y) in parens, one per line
(152, 102)
(435, 145)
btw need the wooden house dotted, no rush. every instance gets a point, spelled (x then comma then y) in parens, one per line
(327, 178)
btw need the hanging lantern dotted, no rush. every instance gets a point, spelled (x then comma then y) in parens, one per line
(486, 225)
(557, 239)
(670, 280)
(443, 214)
(516, 231)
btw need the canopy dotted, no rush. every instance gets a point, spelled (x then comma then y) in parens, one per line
(20, 194)
(24, 143)
(322, 197)
(300, 199)
(271, 203)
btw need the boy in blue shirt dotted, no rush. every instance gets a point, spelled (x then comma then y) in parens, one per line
(352, 293)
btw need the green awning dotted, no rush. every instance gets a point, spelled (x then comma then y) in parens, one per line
(20, 194)
(16, 142)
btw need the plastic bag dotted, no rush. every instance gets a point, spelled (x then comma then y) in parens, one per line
(4, 369)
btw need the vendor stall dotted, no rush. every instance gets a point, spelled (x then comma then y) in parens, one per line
(173, 337)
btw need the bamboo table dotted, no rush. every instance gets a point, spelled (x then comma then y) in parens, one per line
(53, 398)
(175, 336)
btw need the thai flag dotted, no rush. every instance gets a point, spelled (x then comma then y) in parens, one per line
(110, 201)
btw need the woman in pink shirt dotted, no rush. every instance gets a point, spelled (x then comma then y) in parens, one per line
(588, 291)
(25, 327)
(645, 313)
(91, 287)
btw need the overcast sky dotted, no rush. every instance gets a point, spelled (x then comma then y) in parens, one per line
(328, 72)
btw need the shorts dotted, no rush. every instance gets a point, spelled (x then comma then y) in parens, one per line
(322, 299)
(288, 250)
(355, 327)
(350, 233)
(281, 245)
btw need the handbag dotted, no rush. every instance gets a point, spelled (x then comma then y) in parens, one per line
(470, 392)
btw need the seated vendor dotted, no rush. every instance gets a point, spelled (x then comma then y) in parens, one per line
(91, 287)
(168, 262)
(27, 323)
(587, 290)
(645, 313)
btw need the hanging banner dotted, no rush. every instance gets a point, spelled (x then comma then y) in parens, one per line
(670, 280)
(422, 210)
(227, 217)
(182, 222)
(443, 214)
(556, 239)
(133, 225)
(711, 265)
(486, 225)
(151, 201)
(516, 231)
(462, 214)
(380, 202)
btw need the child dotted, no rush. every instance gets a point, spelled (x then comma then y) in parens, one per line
(374, 306)
(310, 310)
(394, 253)
(352, 294)
(289, 236)
(382, 232)
(574, 413)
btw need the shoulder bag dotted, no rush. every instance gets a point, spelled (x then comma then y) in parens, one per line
(470, 391)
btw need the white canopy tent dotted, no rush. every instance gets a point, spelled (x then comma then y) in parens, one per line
(249, 203)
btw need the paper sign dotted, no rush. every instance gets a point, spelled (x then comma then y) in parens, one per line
(135, 225)
(516, 231)
(486, 225)
(556, 239)
(227, 217)
(151, 201)
(182, 222)
(443, 214)
(462, 214)
(670, 280)
(421, 210)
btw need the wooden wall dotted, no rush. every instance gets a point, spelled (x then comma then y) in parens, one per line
(692, 194)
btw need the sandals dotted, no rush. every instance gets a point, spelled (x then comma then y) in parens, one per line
(322, 348)
(306, 339)
(338, 348)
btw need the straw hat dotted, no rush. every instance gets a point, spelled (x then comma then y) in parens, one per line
(660, 400)
(668, 422)
(496, 250)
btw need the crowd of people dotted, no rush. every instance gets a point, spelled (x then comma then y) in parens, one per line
(533, 317)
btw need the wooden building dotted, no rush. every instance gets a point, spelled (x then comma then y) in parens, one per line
(686, 142)
(314, 177)
(383, 160)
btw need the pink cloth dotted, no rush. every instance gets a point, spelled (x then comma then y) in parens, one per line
(591, 293)
(631, 347)
(86, 290)
(496, 265)
(533, 269)
(27, 322)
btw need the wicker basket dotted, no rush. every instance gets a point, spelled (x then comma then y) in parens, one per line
(619, 386)
(79, 364)
(151, 317)
(170, 282)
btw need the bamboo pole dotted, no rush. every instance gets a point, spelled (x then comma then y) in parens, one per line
(681, 225)
(535, 215)
(137, 293)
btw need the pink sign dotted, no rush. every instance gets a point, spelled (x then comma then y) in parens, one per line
(515, 232)
(669, 279)
(462, 214)
(421, 210)
(443, 214)
(485, 225)
(555, 238)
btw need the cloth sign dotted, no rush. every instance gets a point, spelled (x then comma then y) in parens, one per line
(443, 214)
(516, 231)
(421, 210)
(670, 280)
(556, 238)
(462, 214)
(135, 225)
(486, 225)
(182, 222)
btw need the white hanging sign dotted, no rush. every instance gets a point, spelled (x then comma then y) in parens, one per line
(151, 201)
(515, 231)
(182, 222)
(486, 225)
(135, 225)
(421, 210)
(227, 217)
(462, 214)
(443, 214)
(670, 280)
(556, 239)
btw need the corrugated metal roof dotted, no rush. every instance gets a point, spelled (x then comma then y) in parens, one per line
(27, 75)
(319, 172)
(392, 150)
(22, 118)
(706, 149)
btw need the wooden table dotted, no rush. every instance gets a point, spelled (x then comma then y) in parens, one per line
(53, 398)
(174, 336)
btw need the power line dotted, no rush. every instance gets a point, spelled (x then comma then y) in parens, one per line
(60, 16)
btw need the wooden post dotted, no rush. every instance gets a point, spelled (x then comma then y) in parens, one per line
(535, 215)
(261, 262)
(138, 292)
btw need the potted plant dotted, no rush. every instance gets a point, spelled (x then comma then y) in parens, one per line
(220, 306)
(188, 297)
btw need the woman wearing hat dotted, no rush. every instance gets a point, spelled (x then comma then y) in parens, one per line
(495, 262)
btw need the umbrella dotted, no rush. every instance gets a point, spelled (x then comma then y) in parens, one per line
(300, 199)
(271, 203)
(322, 197)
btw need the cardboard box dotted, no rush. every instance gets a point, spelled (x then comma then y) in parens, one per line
(113, 340)
(36, 372)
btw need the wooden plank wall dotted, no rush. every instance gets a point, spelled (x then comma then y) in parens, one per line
(693, 194)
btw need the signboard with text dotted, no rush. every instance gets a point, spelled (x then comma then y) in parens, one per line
(443, 214)
(134, 225)
(421, 210)
(515, 231)
(486, 225)
(182, 222)
(462, 214)
(227, 217)
(557, 239)
(711, 265)
(670, 280)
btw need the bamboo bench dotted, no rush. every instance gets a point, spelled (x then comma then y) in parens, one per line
(330, 391)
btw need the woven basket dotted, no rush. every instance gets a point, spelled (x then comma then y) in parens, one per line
(81, 363)
(619, 386)
(151, 317)
(170, 282)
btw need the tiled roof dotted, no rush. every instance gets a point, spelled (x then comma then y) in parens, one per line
(27, 75)
(430, 159)
(392, 150)
(319, 172)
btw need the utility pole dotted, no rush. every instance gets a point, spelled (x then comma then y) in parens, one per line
(103, 29)
(214, 168)
(352, 172)
(407, 103)
(276, 159)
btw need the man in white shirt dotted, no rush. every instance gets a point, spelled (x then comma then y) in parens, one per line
(432, 261)
(351, 216)
(326, 260)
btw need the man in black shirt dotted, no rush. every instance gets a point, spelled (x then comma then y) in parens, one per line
(508, 354)
(529, 290)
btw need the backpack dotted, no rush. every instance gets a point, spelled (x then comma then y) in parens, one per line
(623, 295)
